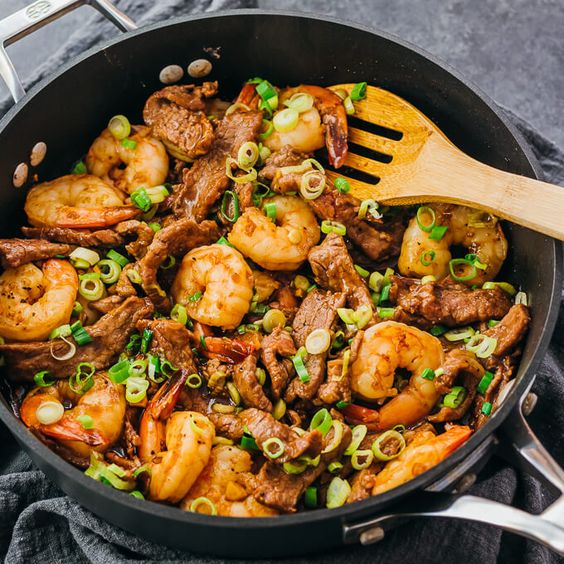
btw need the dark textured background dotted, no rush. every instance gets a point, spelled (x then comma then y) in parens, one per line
(513, 49)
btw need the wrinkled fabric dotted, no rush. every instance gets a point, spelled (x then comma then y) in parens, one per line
(38, 523)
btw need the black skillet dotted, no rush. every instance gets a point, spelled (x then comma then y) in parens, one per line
(70, 108)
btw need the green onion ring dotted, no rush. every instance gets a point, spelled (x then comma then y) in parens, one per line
(321, 421)
(277, 452)
(203, 502)
(383, 438)
(419, 218)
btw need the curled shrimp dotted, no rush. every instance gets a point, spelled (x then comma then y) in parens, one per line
(175, 446)
(227, 482)
(323, 124)
(422, 453)
(34, 301)
(386, 347)
(215, 284)
(283, 245)
(76, 200)
(465, 228)
(104, 403)
(142, 162)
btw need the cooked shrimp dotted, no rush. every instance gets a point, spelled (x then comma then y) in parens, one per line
(421, 454)
(386, 347)
(34, 301)
(487, 241)
(215, 284)
(146, 164)
(76, 200)
(323, 124)
(104, 403)
(227, 482)
(176, 446)
(283, 245)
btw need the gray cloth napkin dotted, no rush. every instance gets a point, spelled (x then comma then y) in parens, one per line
(38, 523)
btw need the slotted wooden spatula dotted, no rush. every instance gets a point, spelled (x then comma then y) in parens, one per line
(417, 163)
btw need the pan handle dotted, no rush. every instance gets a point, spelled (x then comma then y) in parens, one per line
(546, 528)
(36, 15)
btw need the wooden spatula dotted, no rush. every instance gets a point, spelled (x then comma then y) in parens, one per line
(419, 164)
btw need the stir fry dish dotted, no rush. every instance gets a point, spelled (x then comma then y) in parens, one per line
(201, 314)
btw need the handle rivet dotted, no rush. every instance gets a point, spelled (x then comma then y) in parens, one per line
(199, 68)
(465, 483)
(371, 536)
(171, 74)
(20, 175)
(38, 153)
(529, 403)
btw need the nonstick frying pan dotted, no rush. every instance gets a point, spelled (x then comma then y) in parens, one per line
(67, 110)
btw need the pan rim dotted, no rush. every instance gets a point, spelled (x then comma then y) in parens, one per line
(371, 505)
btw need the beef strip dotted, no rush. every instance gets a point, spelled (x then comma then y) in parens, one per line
(206, 180)
(143, 236)
(178, 118)
(110, 335)
(334, 270)
(175, 239)
(15, 252)
(462, 364)
(445, 303)
(245, 378)
(276, 348)
(338, 385)
(263, 426)
(273, 173)
(318, 310)
(107, 304)
(510, 330)
(282, 491)
(82, 237)
(171, 340)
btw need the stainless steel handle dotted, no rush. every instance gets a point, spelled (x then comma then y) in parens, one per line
(546, 528)
(35, 16)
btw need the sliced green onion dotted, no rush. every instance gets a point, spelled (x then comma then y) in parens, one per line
(77, 309)
(196, 296)
(168, 263)
(385, 294)
(137, 494)
(86, 421)
(386, 312)
(202, 502)
(80, 382)
(179, 314)
(146, 340)
(310, 497)
(427, 279)
(361, 459)
(485, 382)
(270, 210)
(481, 345)
(129, 144)
(140, 199)
(427, 257)
(300, 368)
(312, 184)
(369, 207)
(156, 227)
(137, 367)
(358, 434)
(380, 442)
(49, 412)
(300, 101)
(84, 254)
(119, 127)
(117, 257)
(455, 397)
(505, 286)
(136, 389)
(421, 211)
(362, 271)
(134, 344)
(223, 241)
(328, 226)
(109, 271)
(341, 404)
(342, 185)
(233, 393)
(376, 281)
(230, 198)
(260, 373)
(79, 168)
(349, 106)
(438, 330)
(248, 155)
(279, 409)
(335, 467)
(267, 129)
(346, 315)
(301, 282)
(358, 91)
(521, 299)
(248, 442)
(453, 263)
(295, 467)
(492, 323)
(273, 448)
(337, 493)
(438, 232)
(273, 318)
(321, 421)
(264, 153)
(336, 438)
(428, 374)
(459, 334)
(318, 341)
(286, 120)
(61, 331)
(91, 289)
(486, 408)
(475, 260)
(80, 335)
(157, 194)
(41, 381)
(154, 368)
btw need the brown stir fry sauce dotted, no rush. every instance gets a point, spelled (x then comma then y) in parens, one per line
(198, 315)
